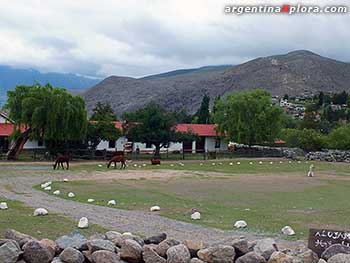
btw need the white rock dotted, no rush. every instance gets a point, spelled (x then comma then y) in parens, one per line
(40, 212)
(281, 162)
(260, 162)
(90, 200)
(65, 180)
(100, 165)
(271, 162)
(47, 184)
(3, 206)
(57, 192)
(144, 165)
(201, 164)
(250, 162)
(135, 165)
(289, 161)
(71, 195)
(154, 208)
(288, 231)
(231, 164)
(127, 234)
(299, 161)
(220, 163)
(171, 165)
(238, 163)
(196, 216)
(112, 202)
(213, 164)
(47, 188)
(240, 224)
(83, 223)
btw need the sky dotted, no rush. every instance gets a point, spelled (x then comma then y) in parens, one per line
(142, 37)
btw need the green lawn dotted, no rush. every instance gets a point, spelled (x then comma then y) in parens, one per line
(20, 218)
(268, 196)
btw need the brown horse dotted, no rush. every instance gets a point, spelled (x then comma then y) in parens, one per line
(60, 160)
(117, 159)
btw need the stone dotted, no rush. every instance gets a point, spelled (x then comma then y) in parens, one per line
(90, 200)
(97, 236)
(9, 252)
(3, 206)
(240, 224)
(138, 239)
(340, 258)
(57, 192)
(194, 246)
(219, 253)
(35, 252)
(196, 216)
(178, 254)
(112, 202)
(279, 257)
(155, 208)
(51, 246)
(88, 255)
(72, 255)
(322, 261)
(83, 223)
(240, 245)
(163, 246)
(335, 249)
(17, 236)
(47, 184)
(65, 180)
(57, 260)
(40, 212)
(155, 239)
(307, 256)
(115, 237)
(196, 260)
(71, 195)
(100, 244)
(251, 257)
(131, 251)
(288, 231)
(47, 188)
(149, 255)
(265, 247)
(105, 256)
(75, 240)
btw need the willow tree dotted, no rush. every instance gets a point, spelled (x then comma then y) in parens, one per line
(45, 113)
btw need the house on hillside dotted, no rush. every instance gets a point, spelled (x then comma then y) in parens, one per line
(208, 141)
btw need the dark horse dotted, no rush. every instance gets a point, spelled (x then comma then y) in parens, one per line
(60, 160)
(119, 158)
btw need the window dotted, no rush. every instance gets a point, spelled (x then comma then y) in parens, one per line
(111, 144)
(40, 142)
(217, 143)
(149, 145)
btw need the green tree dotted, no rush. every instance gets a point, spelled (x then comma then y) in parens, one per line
(103, 112)
(203, 114)
(50, 114)
(340, 138)
(249, 117)
(101, 126)
(320, 99)
(153, 125)
(306, 139)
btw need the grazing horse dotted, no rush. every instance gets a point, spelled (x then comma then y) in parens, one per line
(60, 160)
(117, 159)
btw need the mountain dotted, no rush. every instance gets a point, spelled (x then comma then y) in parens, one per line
(11, 77)
(298, 72)
(187, 71)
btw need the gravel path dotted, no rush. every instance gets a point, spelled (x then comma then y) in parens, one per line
(142, 223)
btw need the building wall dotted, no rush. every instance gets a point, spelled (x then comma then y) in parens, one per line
(32, 145)
(210, 145)
(2, 120)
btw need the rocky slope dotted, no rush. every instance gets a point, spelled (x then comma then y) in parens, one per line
(294, 73)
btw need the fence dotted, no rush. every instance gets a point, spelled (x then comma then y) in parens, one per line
(85, 154)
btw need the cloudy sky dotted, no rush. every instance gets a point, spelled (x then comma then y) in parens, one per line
(142, 37)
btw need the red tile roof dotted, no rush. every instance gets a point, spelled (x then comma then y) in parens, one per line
(6, 129)
(207, 130)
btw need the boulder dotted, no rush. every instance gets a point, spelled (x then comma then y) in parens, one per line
(251, 257)
(35, 252)
(40, 212)
(71, 195)
(219, 253)
(90, 200)
(47, 188)
(265, 247)
(3, 206)
(100, 244)
(51, 246)
(196, 260)
(340, 258)
(112, 202)
(149, 255)
(240, 224)
(57, 260)
(131, 251)
(17, 236)
(196, 216)
(57, 192)
(75, 240)
(279, 257)
(335, 249)
(115, 237)
(194, 246)
(83, 223)
(9, 252)
(178, 254)
(105, 256)
(306, 256)
(163, 246)
(240, 245)
(97, 236)
(288, 231)
(72, 255)
(155, 239)
(138, 239)
(155, 208)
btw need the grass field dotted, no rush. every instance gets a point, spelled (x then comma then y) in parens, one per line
(20, 218)
(268, 196)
